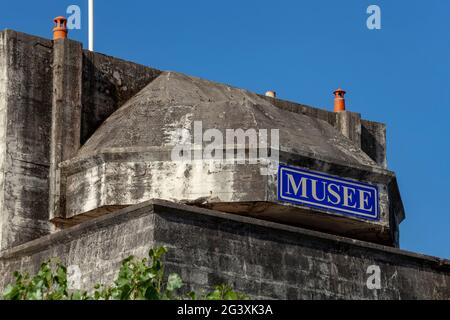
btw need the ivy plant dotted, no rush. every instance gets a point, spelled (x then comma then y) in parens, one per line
(138, 279)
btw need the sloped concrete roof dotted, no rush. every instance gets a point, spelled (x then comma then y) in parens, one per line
(174, 101)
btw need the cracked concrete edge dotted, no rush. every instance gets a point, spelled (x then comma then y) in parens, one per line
(162, 207)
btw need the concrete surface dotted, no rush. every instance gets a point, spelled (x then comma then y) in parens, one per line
(263, 259)
(86, 140)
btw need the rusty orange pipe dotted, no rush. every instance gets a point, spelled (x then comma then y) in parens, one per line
(60, 30)
(339, 100)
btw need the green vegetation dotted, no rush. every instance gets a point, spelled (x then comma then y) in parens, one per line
(137, 280)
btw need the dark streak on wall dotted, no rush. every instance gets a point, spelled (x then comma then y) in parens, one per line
(107, 84)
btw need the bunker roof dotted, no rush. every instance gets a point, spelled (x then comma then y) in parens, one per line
(174, 101)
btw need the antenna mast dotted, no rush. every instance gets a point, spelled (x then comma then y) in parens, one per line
(91, 25)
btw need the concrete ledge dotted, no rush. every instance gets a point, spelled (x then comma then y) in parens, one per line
(166, 207)
(264, 259)
(163, 207)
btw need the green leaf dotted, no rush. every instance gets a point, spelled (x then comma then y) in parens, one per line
(61, 274)
(152, 294)
(174, 282)
(11, 293)
(215, 295)
(137, 279)
(230, 295)
(76, 296)
(192, 295)
(126, 292)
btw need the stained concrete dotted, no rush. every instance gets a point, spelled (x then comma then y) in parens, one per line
(102, 136)
(41, 93)
(107, 84)
(373, 134)
(86, 138)
(175, 101)
(373, 141)
(105, 138)
(26, 102)
(263, 259)
(66, 113)
(128, 159)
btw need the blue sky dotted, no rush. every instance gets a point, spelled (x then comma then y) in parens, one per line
(399, 75)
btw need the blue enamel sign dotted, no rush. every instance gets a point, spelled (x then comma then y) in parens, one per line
(334, 194)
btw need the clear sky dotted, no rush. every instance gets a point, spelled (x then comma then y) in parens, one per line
(399, 75)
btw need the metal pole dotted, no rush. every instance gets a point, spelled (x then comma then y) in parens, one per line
(91, 25)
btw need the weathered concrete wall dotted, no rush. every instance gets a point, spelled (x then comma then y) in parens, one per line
(36, 74)
(83, 88)
(128, 160)
(26, 95)
(260, 258)
(368, 135)
(317, 113)
(129, 176)
(66, 114)
(101, 84)
(349, 124)
(107, 84)
(373, 141)
(3, 119)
